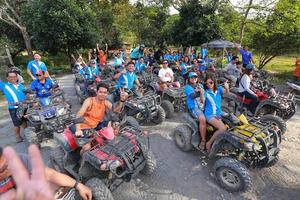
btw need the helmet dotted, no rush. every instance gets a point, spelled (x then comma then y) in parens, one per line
(192, 74)
(250, 67)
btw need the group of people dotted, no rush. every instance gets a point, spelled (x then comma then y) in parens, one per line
(203, 100)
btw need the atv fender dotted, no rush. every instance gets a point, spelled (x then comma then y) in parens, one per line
(192, 122)
(223, 138)
(268, 103)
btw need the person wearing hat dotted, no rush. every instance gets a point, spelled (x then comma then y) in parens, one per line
(118, 60)
(138, 52)
(26, 177)
(14, 94)
(194, 101)
(36, 64)
(42, 87)
(245, 88)
(92, 70)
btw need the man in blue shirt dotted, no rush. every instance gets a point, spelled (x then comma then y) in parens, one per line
(92, 70)
(140, 66)
(34, 65)
(204, 52)
(14, 94)
(247, 56)
(194, 99)
(127, 78)
(42, 86)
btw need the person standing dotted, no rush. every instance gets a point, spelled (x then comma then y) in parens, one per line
(247, 57)
(36, 64)
(14, 94)
(296, 73)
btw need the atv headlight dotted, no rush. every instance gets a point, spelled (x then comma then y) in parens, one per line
(113, 165)
(35, 118)
(141, 107)
(61, 111)
(250, 146)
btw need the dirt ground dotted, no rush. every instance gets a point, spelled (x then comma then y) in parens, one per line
(183, 176)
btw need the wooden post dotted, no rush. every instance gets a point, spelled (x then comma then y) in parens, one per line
(8, 55)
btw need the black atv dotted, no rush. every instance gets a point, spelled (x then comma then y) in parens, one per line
(145, 108)
(173, 99)
(43, 120)
(245, 144)
(108, 163)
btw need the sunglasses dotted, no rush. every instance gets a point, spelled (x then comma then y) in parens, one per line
(210, 82)
(38, 74)
(165, 63)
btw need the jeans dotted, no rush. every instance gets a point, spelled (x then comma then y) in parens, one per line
(252, 106)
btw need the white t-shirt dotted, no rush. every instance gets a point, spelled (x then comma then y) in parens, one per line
(244, 84)
(165, 74)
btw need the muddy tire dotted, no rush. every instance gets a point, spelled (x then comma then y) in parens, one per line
(99, 190)
(31, 137)
(56, 159)
(232, 175)
(183, 138)
(150, 163)
(276, 121)
(169, 108)
(160, 116)
(273, 162)
(131, 122)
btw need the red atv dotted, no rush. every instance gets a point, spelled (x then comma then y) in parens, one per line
(108, 162)
(270, 102)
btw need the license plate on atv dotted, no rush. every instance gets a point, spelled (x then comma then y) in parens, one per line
(49, 113)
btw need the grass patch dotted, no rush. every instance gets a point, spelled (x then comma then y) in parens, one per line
(281, 68)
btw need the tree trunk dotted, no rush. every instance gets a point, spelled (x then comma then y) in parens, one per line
(243, 24)
(27, 41)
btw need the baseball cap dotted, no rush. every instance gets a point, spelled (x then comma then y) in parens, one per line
(250, 66)
(39, 72)
(192, 74)
(142, 46)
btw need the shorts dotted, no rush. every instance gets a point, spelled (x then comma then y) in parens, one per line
(15, 119)
(209, 117)
(196, 112)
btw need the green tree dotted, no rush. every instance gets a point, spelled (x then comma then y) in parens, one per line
(11, 14)
(197, 23)
(61, 25)
(280, 33)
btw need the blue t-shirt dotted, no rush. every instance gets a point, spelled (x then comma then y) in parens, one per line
(204, 52)
(191, 102)
(136, 53)
(168, 57)
(91, 72)
(42, 89)
(126, 80)
(139, 67)
(12, 93)
(246, 56)
(184, 67)
(118, 62)
(34, 66)
(213, 102)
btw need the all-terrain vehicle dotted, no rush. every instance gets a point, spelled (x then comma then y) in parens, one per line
(270, 102)
(145, 108)
(87, 87)
(245, 144)
(44, 119)
(109, 162)
(295, 89)
(173, 99)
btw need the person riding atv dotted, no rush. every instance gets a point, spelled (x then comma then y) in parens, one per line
(93, 110)
(166, 77)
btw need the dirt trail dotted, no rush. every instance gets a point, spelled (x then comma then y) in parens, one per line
(183, 176)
